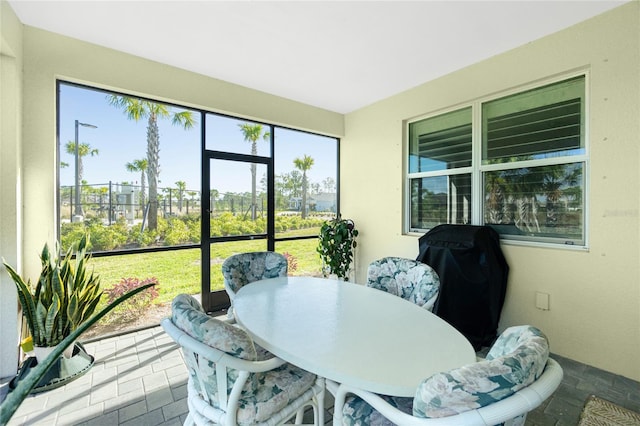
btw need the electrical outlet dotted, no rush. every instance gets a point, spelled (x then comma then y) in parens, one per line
(542, 301)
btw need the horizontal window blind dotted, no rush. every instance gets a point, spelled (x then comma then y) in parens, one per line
(441, 142)
(449, 146)
(533, 143)
(545, 129)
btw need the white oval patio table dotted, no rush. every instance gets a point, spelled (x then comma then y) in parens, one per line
(349, 333)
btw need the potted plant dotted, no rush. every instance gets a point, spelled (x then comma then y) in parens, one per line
(65, 296)
(336, 246)
(15, 397)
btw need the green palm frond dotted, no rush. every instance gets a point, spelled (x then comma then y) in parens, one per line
(183, 119)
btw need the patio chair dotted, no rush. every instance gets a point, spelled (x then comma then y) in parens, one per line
(232, 380)
(414, 281)
(516, 377)
(243, 268)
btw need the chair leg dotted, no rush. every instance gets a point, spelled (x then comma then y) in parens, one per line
(318, 416)
(189, 420)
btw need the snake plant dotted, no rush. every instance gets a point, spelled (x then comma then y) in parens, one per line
(65, 296)
(15, 397)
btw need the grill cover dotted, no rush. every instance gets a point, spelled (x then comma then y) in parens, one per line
(473, 278)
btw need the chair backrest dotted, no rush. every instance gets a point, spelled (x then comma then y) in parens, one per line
(244, 268)
(205, 361)
(414, 281)
(232, 380)
(516, 360)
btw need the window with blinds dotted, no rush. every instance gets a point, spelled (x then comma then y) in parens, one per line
(530, 167)
(539, 123)
(441, 143)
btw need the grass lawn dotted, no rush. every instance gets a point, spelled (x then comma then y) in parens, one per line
(179, 271)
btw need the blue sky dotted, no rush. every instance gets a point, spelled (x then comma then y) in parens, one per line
(120, 140)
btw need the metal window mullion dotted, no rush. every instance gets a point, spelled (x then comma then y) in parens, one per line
(477, 199)
(407, 204)
(271, 194)
(205, 215)
(437, 173)
(586, 170)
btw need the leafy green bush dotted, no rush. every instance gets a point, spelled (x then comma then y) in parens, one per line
(177, 230)
(177, 233)
(104, 238)
(70, 233)
(141, 238)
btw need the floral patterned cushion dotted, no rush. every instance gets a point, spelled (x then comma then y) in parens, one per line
(412, 280)
(244, 268)
(357, 412)
(264, 393)
(516, 359)
(276, 388)
(187, 314)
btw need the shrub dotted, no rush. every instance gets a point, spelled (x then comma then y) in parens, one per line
(140, 238)
(292, 262)
(176, 230)
(105, 238)
(177, 233)
(132, 307)
(71, 232)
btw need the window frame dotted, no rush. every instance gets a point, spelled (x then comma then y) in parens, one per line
(206, 154)
(478, 170)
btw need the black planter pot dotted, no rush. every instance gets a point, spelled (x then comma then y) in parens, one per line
(61, 372)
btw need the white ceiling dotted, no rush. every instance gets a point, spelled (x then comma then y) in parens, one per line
(337, 55)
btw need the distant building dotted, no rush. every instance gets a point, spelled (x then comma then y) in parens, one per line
(323, 202)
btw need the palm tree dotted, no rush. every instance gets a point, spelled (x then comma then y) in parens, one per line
(303, 164)
(137, 109)
(253, 132)
(213, 196)
(182, 186)
(84, 149)
(140, 166)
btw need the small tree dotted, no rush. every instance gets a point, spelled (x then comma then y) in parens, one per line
(304, 164)
(252, 133)
(140, 166)
(182, 186)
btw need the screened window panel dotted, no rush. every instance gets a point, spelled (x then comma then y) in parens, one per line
(440, 199)
(544, 201)
(441, 143)
(306, 176)
(540, 123)
(239, 136)
(234, 208)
